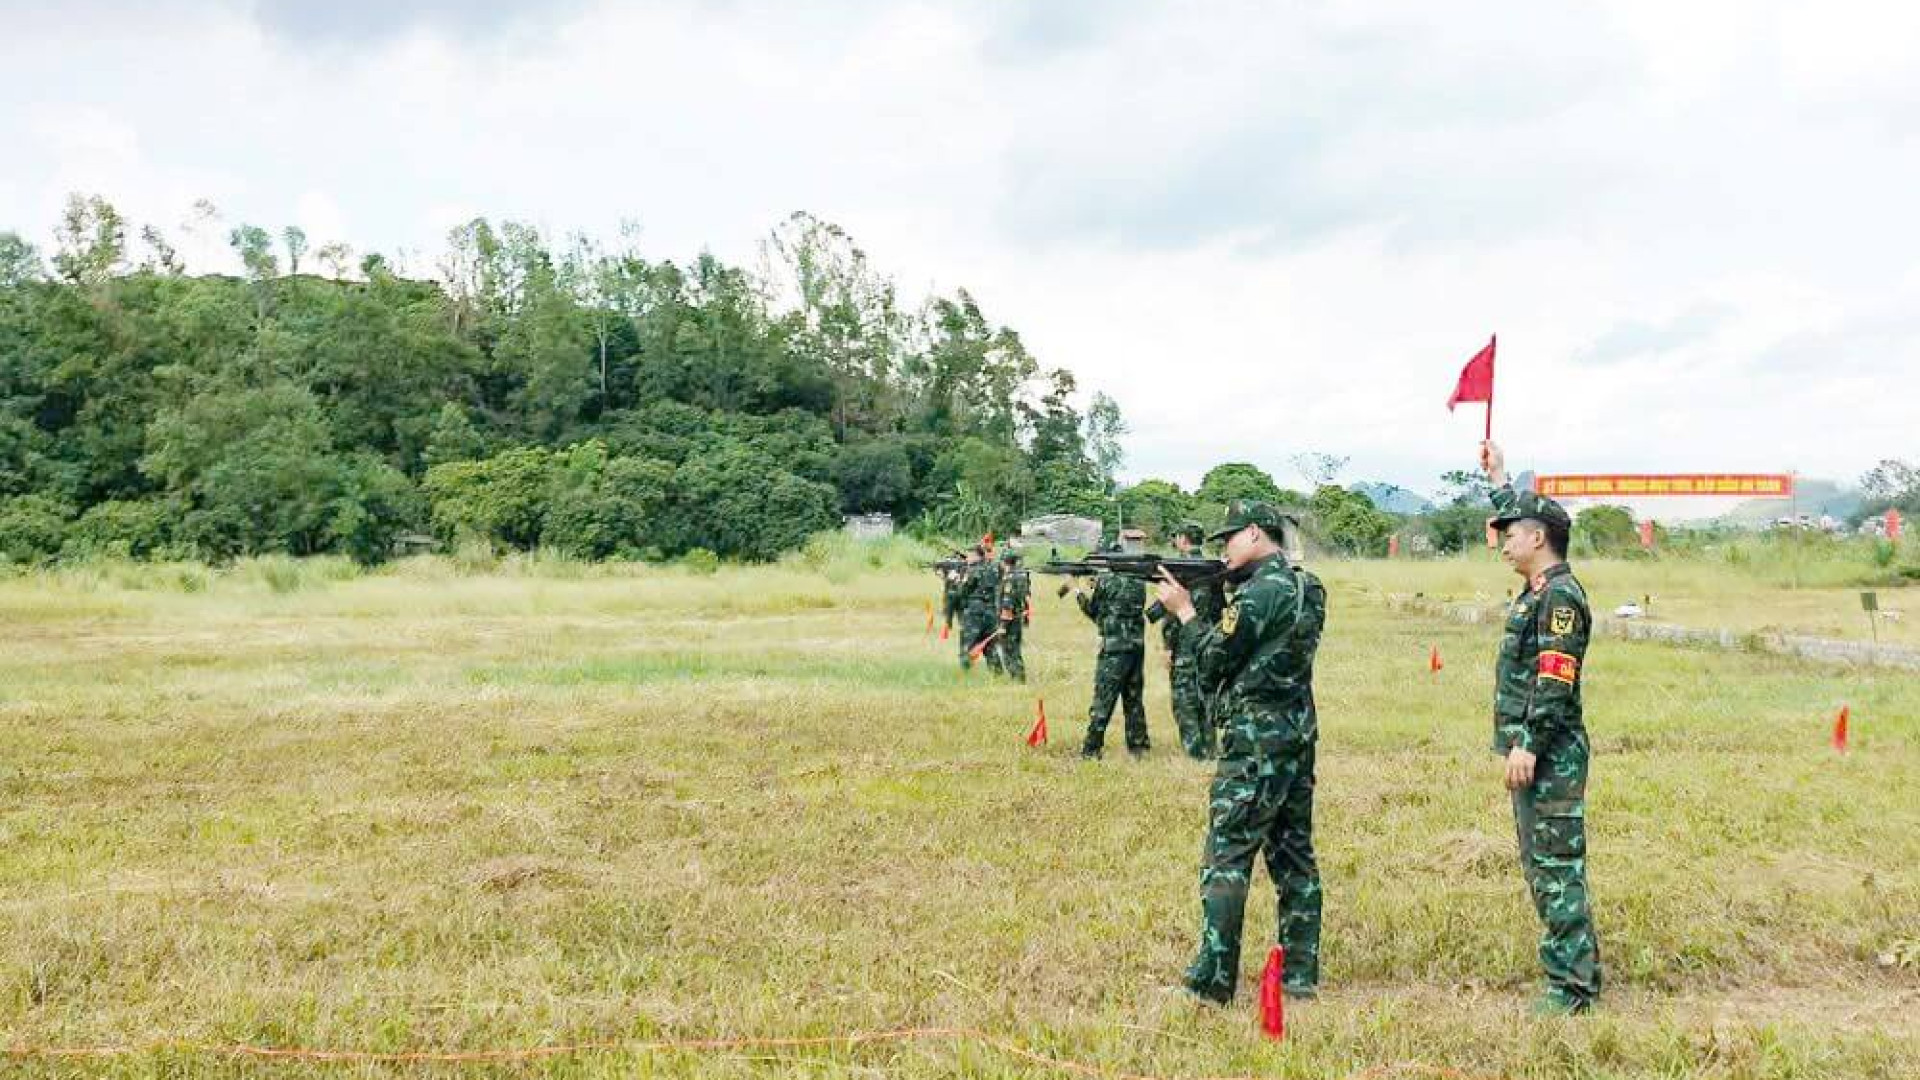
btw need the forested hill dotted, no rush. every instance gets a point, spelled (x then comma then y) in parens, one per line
(579, 396)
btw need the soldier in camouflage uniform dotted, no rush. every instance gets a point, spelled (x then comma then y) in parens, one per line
(1189, 702)
(1015, 587)
(1539, 728)
(977, 612)
(1258, 662)
(950, 590)
(1118, 606)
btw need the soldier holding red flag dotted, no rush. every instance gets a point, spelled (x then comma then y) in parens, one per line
(1539, 728)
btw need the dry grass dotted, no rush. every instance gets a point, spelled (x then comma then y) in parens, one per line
(422, 809)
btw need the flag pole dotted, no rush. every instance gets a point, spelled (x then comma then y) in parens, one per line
(1493, 354)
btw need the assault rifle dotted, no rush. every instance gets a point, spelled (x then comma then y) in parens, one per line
(1187, 571)
(945, 566)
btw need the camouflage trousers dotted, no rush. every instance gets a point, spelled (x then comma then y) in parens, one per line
(1190, 710)
(1551, 818)
(975, 627)
(1009, 647)
(1118, 677)
(1259, 807)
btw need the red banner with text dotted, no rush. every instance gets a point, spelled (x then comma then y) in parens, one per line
(1629, 485)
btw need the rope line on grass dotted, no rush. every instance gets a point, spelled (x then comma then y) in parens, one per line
(670, 1046)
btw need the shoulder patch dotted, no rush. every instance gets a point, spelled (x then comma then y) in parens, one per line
(1229, 619)
(1563, 621)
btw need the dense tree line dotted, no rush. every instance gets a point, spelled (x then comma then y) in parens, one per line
(577, 396)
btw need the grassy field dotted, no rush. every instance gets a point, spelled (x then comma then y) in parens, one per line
(435, 810)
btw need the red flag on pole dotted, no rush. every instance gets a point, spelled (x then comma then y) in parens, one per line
(1273, 995)
(1840, 730)
(1476, 382)
(1893, 525)
(1038, 735)
(980, 649)
(1434, 663)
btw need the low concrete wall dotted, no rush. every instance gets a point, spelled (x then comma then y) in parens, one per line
(1821, 650)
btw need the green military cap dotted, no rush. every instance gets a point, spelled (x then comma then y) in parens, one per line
(1191, 530)
(1532, 504)
(1244, 512)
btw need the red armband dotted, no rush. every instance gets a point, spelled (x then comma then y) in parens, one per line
(1559, 666)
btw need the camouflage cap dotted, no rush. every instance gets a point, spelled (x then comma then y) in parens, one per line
(1531, 504)
(1244, 512)
(1191, 530)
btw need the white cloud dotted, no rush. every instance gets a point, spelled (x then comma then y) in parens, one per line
(1263, 228)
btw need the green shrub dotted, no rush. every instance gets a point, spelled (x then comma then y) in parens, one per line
(128, 529)
(701, 561)
(33, 528)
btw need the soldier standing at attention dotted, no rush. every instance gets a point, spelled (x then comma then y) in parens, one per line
(1118, 607)
(1015, 588)
(1258, 661)
(976, 600)
(1539, 729)
(1189, 701)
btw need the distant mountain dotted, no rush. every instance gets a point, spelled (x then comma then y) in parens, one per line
(1392, 498)
(1814, 497)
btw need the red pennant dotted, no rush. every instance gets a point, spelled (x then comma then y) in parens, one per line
(981, 649)
(945, 632)
(1433, 660)
(1840, 730)
(1273, 997)
(1038, 736)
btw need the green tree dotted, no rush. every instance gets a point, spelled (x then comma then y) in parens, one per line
(502, 498)
(91, 243)
(1157, 506)
(874, 476)
(1239, 480)
(1348, 522)
(1606, 530)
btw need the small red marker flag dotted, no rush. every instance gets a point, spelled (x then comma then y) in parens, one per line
(1476, 382)
(1433, 660)
(980, 649)
(1840, 730)
(945, 631)
(1273, 995)
(1038, 736)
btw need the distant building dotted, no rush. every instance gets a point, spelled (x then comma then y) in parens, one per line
(1070, 530)
(869, 526)
(409, 543)
(1133, 541)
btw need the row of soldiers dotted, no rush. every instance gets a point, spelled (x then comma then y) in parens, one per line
(1242, 680)
(992, 601)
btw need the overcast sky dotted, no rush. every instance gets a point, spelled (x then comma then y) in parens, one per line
(1262, 227)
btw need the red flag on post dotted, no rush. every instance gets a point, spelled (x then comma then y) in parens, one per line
(1840, 730)
(1433, 661)
(1893, 525)
(1476, 382)
(1038, 736)
(1273, 995)
(980, 649)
